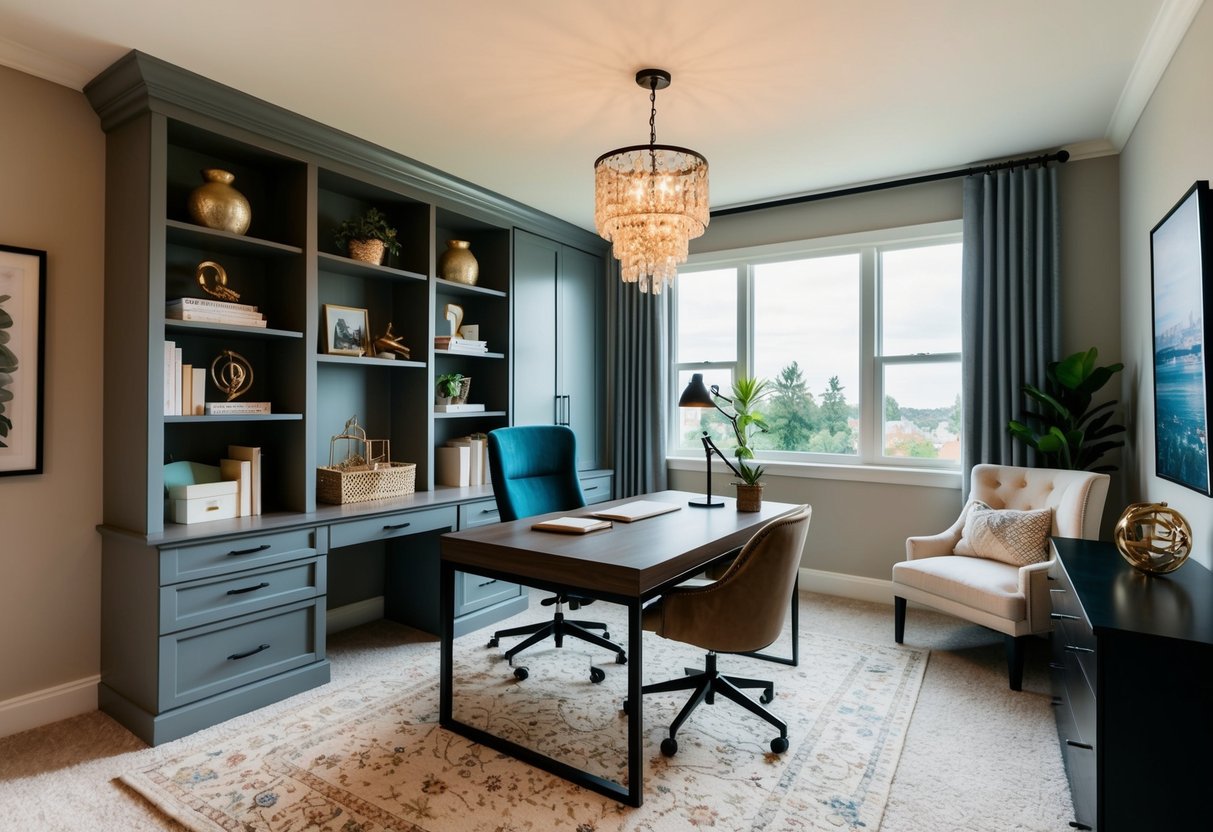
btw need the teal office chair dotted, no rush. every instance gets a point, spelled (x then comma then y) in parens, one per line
(534, 470)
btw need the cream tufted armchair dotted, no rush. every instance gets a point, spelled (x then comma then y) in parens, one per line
(1014, 600)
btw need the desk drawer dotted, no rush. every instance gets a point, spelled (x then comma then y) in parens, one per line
(387, 526)
(218, 657)
(597, 489)
(201, 602)
(474, 592)
(222, 557)
(481, 513)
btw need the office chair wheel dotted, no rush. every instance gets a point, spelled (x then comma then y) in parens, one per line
(669, 746)
(597, 674)
(621, 658)
(493, 642)
(768, 696)
(624, 707)
(779, 745)
(521, 673)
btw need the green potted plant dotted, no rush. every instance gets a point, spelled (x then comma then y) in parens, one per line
(748, 392)
(451, 388)
(367, 236)
(1067, 431)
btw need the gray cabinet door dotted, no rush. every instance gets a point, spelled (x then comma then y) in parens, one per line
(536, 265)
(579, 349)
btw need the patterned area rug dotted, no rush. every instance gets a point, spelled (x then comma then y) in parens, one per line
(370, 757)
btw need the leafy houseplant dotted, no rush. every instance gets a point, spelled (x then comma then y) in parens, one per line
(447, 385)
(747, 393)
(367, 236)
(1065, 428)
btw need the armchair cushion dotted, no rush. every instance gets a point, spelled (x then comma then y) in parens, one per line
(986, 585)
(1011, 536)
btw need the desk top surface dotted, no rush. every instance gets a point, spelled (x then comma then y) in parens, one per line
(629, 559)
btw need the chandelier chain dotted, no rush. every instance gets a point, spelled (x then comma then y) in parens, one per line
(653, 110)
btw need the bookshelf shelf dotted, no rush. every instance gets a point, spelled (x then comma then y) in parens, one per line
(221, 330)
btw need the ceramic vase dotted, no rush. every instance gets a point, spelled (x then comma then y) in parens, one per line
(216, 204)
(458, 264)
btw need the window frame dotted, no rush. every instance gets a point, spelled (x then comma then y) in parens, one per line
(872, 360)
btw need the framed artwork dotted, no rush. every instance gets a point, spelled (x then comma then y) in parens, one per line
(22, 319)
(1180, 268)
(347, 330)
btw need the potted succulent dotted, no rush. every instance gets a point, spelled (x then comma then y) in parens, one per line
(748, 392)
(367, 237)
(452, 388)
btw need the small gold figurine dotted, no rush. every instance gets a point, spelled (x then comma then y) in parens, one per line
(219, 288)
(235, 377)
(391, 343)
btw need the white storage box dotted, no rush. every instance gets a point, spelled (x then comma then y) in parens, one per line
(201, 509)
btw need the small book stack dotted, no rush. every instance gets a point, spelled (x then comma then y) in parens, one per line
(237, 408)
(243, 467)
(214, 312)
(462, 461)
(449, 343)
(184, 384)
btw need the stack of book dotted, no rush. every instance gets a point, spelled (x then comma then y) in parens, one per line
(462, 461)
(237, 408)
(184, 384)
(214, 312)
(449, 343)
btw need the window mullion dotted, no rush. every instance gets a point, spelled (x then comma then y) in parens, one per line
(870, 398)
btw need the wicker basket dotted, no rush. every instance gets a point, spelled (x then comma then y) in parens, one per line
(339, 487)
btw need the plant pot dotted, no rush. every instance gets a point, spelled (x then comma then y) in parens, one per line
(749, 497)
(465, 385)
(368, 251)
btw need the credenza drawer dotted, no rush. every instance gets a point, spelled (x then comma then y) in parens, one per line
(473, 592)
(596, 489)
(214, 599)
(480, 513)
(387, 526)
(218, 657)
(184, 563)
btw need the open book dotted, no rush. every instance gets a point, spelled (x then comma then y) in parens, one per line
(572, 525)
(636, 511)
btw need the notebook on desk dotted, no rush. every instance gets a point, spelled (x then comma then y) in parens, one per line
(638, 510)
(572, 525)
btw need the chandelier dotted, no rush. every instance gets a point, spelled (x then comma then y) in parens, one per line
(650, 200)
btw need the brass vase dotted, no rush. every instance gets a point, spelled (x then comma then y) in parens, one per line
(216, 204)
(458, 264)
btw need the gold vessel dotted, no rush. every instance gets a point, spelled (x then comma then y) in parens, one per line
(1153, 538)
(458, 264)
(216, 204)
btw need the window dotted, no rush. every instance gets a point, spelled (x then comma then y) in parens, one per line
(858, 336)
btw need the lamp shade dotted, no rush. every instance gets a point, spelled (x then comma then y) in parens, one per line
(696, 394)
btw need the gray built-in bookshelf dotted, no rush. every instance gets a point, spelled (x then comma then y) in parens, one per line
(184, 640)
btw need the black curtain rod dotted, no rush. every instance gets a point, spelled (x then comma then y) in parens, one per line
(1060, 156)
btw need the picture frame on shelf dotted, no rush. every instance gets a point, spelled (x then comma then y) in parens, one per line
(22, 342)
(1180, 274)
(347, 330)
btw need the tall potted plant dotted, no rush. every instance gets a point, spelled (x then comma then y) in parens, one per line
(748, 392)
(1067, 431)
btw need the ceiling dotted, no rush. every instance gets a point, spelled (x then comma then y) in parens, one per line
(783, 97)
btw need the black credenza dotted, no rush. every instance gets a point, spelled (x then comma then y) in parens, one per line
(1132, 670)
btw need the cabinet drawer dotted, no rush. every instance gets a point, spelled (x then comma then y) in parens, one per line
(1080, 768)
(474, 592)
(481, 513)
(596, 489)
(218, 657)
(205, 560)
(201, 602)
(387, 526)
(1082, 702)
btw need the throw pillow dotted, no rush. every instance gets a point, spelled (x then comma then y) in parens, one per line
(1008, 535)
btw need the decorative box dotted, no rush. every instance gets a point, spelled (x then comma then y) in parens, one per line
(207, 501)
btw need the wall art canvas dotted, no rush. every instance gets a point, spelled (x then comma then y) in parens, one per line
(22, 318)
(1180, 271)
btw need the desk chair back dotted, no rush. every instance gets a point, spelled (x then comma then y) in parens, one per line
(534, 470)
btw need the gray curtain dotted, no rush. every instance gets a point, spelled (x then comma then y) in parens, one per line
(639, 367)
(1010, 306)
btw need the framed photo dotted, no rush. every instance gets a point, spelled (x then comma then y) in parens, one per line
(347, 330)
(1181, 265)
(22, 319)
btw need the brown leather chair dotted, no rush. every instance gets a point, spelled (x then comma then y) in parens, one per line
(740, 613)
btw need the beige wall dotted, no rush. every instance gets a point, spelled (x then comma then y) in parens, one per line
(1169, 149)
(860, 528)
(52, 166)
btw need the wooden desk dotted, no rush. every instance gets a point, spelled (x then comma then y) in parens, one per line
(628, 565)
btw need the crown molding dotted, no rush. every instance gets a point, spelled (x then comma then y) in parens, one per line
(1091, 149)
(1165, 35)
(32, 62)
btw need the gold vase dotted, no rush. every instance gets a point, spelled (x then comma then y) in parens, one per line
(216, 204)
(368, 251)
(749, 497)
(458, 264)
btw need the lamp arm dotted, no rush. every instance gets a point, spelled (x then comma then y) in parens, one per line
(709, 446)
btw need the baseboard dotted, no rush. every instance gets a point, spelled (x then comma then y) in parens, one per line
(847, 586)
(43, 707)
(353, 615)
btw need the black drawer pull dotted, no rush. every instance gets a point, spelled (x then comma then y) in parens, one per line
(1056, 666)
(1082, 745)
(1061, 616)
(592, 488)
(236, 552)
(396, 527)
(1078, 825)
(261, 585)
(1078, 649)
(488, 511)
(1057, 700)
(252, 652)
(486, 583)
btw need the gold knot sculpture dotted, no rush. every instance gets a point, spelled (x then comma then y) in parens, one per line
(390, 342)
(1153, 538)
(217, 289)
(234, 376)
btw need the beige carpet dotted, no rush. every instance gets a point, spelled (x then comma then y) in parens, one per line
(977, 757)
(371, 757)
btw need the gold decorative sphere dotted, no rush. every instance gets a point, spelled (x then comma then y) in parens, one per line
(1153, 538)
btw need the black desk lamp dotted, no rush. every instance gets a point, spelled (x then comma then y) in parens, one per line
(697, 395)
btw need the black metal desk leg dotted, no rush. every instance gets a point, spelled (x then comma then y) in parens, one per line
(446, 590)
(635, 706)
